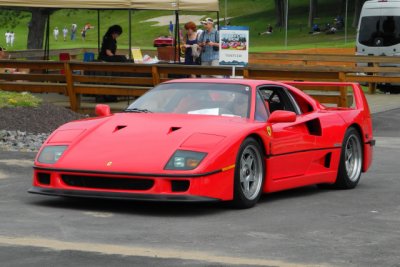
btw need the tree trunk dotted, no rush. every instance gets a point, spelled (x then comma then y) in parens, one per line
(312, 12)
(315, 8)
(357, 10)
(37, 27)
(279, 13)
(342, 8)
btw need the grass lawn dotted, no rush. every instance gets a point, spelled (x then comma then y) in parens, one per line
(14, 99)
(256, 14)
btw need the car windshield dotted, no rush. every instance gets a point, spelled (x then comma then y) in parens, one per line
(380, 31)
(196, 98)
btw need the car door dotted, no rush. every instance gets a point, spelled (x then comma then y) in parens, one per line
(292, 144)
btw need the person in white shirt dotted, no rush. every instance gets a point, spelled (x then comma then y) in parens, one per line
(55, 33)
(12, 38)
(74, 27)
(65, 32)
(8, 39)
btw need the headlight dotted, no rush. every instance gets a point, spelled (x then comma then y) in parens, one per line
(185, 160)
(51, 154)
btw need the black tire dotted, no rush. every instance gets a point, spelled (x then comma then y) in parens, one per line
(348, 177)
(388, 88)
(250, 165)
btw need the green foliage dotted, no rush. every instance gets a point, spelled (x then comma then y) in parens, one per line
(256, 14)
(13, 99)
(11, 18)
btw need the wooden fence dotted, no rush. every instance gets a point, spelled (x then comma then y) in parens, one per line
(98, 78)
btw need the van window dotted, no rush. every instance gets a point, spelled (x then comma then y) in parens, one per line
(380, 31)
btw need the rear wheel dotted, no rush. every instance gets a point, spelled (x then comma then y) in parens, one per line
(249, 174)
(351, 160)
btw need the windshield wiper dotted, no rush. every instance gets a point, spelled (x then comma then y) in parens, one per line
(137, 110)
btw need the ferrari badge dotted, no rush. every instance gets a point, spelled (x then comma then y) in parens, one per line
(269, 130)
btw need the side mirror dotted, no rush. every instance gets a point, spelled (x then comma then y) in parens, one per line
(102, 110)
(282, 116)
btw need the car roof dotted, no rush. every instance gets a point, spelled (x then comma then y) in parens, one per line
(249, 82)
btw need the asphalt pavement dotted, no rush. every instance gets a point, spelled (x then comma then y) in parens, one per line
(301, 227)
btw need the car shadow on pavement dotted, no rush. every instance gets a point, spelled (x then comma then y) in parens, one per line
(301, 192)
(159, 209)
(166, 209)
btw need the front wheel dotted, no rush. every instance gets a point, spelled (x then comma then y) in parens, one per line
(249, 174)
(351, 160)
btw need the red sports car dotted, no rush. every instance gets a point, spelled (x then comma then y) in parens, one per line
(209, 140)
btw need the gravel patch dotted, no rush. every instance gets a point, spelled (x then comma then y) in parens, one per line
(25, 128)
(21, 141)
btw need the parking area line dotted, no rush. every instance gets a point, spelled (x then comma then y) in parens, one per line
(387, 142)
(17, 162)
(122, 250)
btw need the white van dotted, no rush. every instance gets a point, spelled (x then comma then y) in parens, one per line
(379, 28)
(378, 32)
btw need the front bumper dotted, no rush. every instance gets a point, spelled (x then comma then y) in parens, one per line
(120, 196)
(212, 186)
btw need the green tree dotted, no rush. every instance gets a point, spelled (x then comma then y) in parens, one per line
(357, 11)
(312, 12)
(279, 12)
(10, 17)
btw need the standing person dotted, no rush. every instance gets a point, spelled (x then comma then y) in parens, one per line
(190, 43)
(85, 30)
(12, 39)
(55, 33)
(209, 41)
(171, 28)
(109, 45)
(83, 34)
(73, 31)
(65, 32)
(8, 38)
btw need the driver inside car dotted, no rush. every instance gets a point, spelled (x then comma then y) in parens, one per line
(240, 105)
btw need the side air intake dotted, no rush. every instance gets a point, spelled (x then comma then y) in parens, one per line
(327, 162)
(314, 127)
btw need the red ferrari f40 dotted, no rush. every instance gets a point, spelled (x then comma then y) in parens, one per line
(210, 140)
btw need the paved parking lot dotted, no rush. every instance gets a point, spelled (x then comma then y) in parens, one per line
(301, 227)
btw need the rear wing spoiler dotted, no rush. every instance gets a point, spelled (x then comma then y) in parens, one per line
(336, 93)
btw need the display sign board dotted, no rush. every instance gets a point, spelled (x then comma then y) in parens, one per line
(234, 45)
(137, 54)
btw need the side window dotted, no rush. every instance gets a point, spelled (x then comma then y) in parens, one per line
(294, 103)
(275, 102)
(279, 98)
(261, 113)
(303, 105)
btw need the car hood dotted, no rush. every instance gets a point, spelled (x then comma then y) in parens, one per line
(143, 143)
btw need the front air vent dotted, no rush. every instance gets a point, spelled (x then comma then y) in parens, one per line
(173, 129)
(43, 178)
(119, 127)
(107, 182)
(180, 186)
